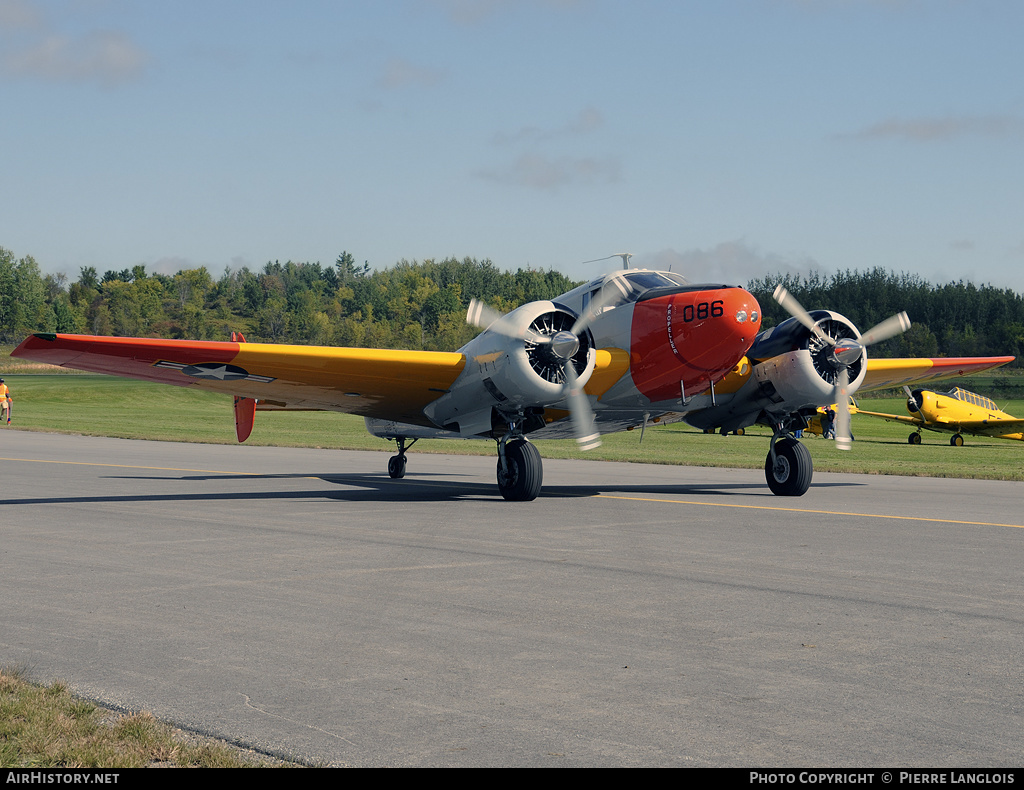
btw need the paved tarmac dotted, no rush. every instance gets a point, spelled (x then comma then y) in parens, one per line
(303, 603)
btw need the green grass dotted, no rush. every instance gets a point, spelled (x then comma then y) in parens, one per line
(48, 727)
(108, 406)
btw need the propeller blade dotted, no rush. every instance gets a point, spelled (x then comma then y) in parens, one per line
(795, 309)
(844, 438)
(482, 315)
(912, 403)
(890, 327)
(845, 354)
(615, 287)
(587, 437)
(486, 317)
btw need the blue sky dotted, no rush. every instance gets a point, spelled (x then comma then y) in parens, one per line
(727, 139)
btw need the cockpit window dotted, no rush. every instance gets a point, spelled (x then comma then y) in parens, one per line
(643, 281)
(630, 286)
(973, 398)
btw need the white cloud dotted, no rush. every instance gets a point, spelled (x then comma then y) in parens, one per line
(538, 170)
(947, 128)
(108, 57)
(588, 120)
(400, 74)
(731, 263)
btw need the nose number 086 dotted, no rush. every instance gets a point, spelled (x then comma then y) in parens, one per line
(703, 310)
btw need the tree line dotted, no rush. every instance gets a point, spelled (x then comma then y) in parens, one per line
(422, 304)
(950, 320)
(418, 304)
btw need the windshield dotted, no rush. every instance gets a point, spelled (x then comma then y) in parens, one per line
(630, 286)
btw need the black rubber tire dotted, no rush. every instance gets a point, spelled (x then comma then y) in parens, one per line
(914, 438)
(525, 472)
(396, 467)
(956, 440)
(791, 473)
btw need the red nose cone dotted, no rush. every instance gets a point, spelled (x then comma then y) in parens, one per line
(690, 339)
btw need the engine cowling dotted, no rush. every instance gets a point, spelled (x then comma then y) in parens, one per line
(511, 368)
(794, 369)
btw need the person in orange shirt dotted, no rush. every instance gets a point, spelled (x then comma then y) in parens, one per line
(5, 403)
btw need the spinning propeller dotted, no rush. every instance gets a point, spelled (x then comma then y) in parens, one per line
(842, 354)
(913, 403)
(556, 349)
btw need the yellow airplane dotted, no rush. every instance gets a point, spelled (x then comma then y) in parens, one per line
(958, 412)
(814, 422)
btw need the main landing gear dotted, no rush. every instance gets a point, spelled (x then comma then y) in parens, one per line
(396, 463)
(520, 471)
(788, 467)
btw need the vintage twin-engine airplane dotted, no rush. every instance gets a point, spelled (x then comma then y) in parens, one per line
(624, 350)
(958, 412)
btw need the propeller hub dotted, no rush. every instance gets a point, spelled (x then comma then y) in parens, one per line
(845, 353)
(564, 345)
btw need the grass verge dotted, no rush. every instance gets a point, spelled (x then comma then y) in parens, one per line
(123, 408)
(48, 727)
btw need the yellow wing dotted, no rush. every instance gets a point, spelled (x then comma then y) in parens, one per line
(893, 417)
(886, 373)
(388, 384)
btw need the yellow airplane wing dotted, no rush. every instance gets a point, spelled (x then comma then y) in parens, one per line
(895, 417)
(389, 384)
(1000, 428)
(887, 373)
(993, 426)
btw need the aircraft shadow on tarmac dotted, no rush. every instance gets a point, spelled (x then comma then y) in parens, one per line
(379, 487)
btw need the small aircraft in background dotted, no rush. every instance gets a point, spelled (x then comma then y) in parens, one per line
(958, 412)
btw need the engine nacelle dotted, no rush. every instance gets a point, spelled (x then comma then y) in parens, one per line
(794, 369)
(508, 371)
(791, 371)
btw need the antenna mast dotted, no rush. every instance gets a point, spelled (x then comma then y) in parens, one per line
(624, 255)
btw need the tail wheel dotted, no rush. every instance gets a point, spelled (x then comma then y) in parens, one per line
(791, 471)
(522, 480)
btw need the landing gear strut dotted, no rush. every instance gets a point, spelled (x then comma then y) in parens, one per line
(396, 463)
(788, 467)
(520, 471)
